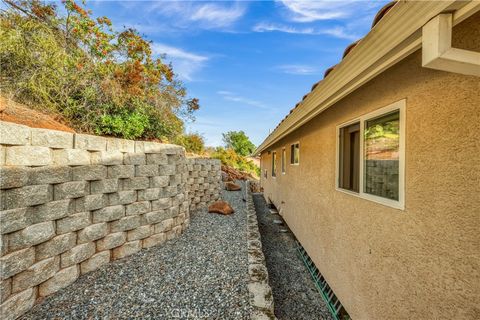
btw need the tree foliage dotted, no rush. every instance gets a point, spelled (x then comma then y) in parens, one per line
(99, 80)
(238, 141)
(193, 142)
(232, 159)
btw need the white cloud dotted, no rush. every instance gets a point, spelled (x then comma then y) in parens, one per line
(337, 32)
(230, 96)
(201, 15)
(309, 11)
(223, 92)
(218, 16)
(270, 27)
(297, 69)
(185, 64)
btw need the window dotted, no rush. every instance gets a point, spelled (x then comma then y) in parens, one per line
(295, 153)
(284, 156)
(274, 164)
(381, 158)
(265, 173)
(371, 156)
(349, 157)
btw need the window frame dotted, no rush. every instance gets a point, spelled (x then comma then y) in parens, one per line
(291, 154)
(284, 160)
(400, 204)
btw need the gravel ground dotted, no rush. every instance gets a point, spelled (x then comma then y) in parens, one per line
(202, 274)
(294, 293)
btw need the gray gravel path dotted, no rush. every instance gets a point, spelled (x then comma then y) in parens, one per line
(294, 293)
(200, 275)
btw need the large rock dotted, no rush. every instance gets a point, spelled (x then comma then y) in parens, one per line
(225, 177)
(230, 186)
(221, 207)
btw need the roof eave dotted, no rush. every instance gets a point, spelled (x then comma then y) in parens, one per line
(395, 37)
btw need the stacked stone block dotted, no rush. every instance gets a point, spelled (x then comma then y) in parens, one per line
(204, 182)
(71, 203)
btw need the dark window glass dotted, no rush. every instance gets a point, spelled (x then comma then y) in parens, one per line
(295, 153)
(274, 164)
(349, 157)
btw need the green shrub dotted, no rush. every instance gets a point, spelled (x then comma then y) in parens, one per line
(129, 125)
(230, 158)
(193, 142)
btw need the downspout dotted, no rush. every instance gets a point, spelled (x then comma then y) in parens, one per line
(437, 51)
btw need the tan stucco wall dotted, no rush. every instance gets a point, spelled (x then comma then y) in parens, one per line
(384, 263)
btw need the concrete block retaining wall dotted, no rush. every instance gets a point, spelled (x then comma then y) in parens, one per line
(204, 182)
(70, 203)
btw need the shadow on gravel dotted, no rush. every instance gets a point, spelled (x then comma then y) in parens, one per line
(294, 293)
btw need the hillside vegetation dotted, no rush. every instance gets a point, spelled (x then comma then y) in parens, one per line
(95, 79)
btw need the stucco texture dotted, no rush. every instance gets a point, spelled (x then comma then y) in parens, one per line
(383, 263)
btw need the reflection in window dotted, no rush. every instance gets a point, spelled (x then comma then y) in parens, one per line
(284, 155)
(381, 158)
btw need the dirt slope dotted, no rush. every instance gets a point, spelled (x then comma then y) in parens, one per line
(11, 111)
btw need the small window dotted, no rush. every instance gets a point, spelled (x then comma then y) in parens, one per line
(265, 173)
(284, 156)
(349, 157)
(371, 156)
(295, 153)
(274, 164)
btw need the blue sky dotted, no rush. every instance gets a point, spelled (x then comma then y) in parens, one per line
(249, 62)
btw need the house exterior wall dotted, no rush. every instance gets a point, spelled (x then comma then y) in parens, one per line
(422, 262)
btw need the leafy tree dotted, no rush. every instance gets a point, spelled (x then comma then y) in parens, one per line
(238, 141)
(97, 79)
(193, 142)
